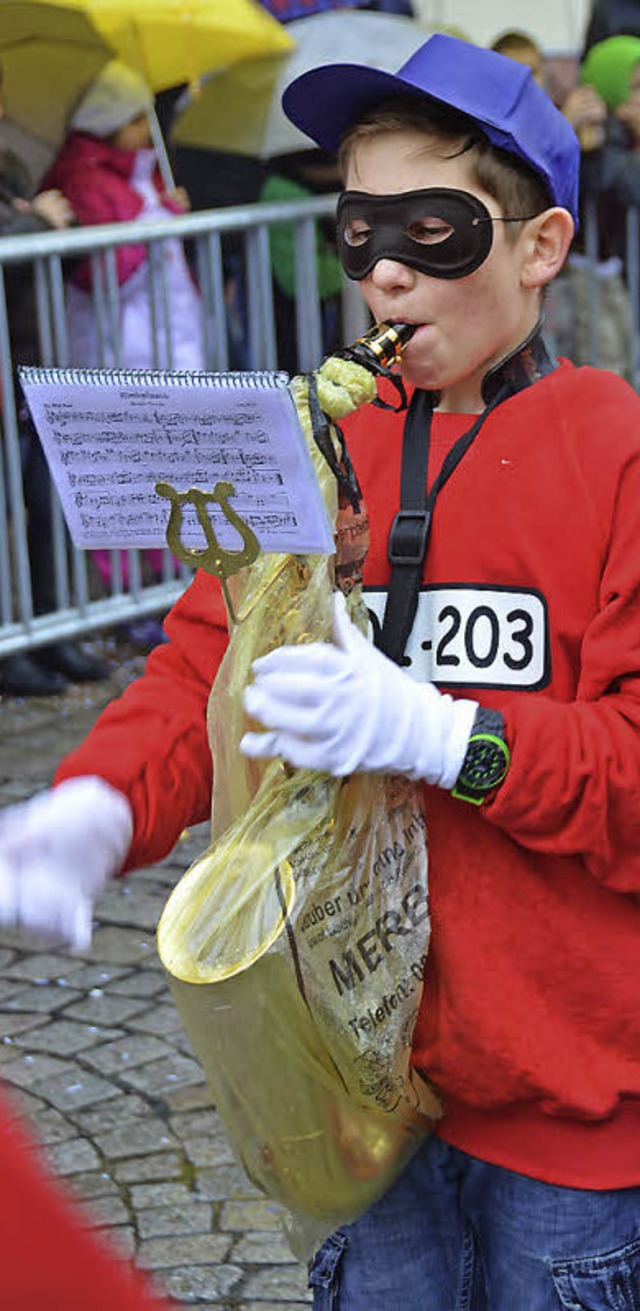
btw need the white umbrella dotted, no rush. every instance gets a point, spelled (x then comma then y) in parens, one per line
(558, 26)
(239, 109)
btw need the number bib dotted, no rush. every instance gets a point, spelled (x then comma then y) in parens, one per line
(474, 636)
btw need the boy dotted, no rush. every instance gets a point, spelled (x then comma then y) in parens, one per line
(459, 209)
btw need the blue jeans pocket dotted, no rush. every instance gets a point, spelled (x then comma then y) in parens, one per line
(610, 1282)
(324, 1270)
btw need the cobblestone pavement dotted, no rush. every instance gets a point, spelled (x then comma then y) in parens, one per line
(93, 1050)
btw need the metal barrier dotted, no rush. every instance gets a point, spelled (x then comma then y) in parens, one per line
(83, 604)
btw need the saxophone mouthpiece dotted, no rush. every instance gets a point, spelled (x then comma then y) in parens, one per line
(383, 344)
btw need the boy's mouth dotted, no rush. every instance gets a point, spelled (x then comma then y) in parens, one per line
(414, 327)
(408, 323)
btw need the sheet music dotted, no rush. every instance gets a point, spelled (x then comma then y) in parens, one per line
(111, 435)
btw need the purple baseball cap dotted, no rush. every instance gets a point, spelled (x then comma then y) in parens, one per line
(499, 94)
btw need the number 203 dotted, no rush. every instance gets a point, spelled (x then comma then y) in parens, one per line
(474, 636)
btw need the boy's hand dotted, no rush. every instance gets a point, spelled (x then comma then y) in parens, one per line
(346, 708)
(57, 852)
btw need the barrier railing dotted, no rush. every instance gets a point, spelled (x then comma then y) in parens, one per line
(230, 256)
(244, 336)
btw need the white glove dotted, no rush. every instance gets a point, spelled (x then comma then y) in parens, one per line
(345, 708)
(57, 852)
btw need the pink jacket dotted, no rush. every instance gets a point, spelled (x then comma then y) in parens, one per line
(94, 176)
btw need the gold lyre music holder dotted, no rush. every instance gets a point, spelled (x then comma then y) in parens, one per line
(213, 558)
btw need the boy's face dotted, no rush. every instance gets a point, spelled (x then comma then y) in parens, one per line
(466, 324)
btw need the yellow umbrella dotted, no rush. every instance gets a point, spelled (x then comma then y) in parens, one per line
(239, 108)
(50, 52)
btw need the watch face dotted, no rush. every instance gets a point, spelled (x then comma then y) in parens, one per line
(485, 763)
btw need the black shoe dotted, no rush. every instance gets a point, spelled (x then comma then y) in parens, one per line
(69, 659)
(21, 675)
(143, 633)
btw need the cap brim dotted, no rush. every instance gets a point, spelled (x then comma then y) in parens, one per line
(325, 101)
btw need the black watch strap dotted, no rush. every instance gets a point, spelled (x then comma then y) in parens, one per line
(486, 760)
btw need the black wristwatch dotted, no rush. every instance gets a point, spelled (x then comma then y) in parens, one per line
(487, 758)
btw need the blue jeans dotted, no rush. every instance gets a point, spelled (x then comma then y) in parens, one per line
(456, 1234)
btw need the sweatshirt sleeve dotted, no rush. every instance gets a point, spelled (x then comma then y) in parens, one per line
(151, 743)
(573, 786)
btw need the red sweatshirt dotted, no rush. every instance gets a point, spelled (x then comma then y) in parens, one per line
(530, 1024)
(49, 1258)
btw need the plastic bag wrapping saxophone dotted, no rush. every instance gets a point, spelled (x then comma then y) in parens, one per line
(295, 945)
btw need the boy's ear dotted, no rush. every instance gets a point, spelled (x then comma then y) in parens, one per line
(547, 241)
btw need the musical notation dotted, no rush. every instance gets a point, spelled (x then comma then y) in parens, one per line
(111, 435)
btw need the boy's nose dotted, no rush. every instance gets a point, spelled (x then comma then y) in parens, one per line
(389, 273)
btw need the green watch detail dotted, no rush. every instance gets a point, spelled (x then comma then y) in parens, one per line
(486, 761)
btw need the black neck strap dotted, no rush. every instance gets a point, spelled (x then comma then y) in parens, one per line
(409, 535)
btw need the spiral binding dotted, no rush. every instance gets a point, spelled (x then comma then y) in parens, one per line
(36, 375)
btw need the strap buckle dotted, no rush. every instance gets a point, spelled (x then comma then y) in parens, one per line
(408, 537)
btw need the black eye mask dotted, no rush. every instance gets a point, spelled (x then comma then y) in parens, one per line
(439, 231)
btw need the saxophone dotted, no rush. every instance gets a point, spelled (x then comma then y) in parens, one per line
(256, 936)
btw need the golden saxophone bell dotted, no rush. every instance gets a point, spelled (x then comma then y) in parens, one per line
(257, 937)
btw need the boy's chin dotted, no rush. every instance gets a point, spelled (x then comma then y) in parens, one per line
(461, 393)
(419, 374)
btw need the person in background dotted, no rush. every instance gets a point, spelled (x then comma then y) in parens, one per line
(611, 18)
(604, 110)
(524, 49)
(611, 69)
(295, 176)
(107, 169)
(47, 670)
(572, 325)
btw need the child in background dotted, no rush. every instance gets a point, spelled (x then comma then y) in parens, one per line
(107, 168)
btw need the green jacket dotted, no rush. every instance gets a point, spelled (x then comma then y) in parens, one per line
(282, 244)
